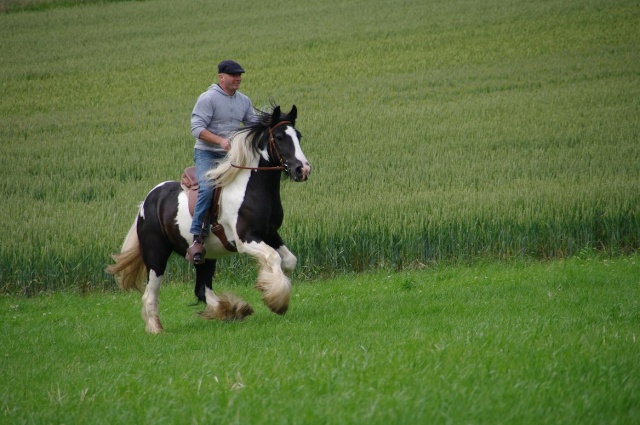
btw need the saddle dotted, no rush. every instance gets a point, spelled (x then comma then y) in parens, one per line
(189, 183)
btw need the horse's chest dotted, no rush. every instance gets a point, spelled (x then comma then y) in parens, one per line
(248, 204)
(233, 196)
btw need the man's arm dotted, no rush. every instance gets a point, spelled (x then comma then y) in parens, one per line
(207, 136)
(201, 117)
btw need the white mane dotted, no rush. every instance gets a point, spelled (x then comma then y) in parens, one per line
(241, 154)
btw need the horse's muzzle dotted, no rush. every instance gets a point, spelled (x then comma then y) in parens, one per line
(302, 172)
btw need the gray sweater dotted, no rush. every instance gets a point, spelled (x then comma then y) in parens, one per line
(221, 114)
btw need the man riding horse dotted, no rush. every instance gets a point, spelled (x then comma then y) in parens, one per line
(218, 113)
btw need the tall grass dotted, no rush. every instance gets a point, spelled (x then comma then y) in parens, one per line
(438, 131)
(11, 6)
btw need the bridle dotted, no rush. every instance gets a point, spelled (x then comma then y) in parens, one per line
(272, 148)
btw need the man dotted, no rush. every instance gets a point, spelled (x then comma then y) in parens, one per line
(218, 113)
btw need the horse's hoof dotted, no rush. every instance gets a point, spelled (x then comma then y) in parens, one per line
(154, 327)
(228, 308)
(281, 310)
(278, 303)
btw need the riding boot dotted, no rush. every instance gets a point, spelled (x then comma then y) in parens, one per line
(196, 252)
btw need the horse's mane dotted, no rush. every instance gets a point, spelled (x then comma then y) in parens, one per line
(244, 148)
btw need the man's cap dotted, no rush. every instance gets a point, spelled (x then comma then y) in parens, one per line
(229, 67)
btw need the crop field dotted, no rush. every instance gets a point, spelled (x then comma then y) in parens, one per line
(439, 131)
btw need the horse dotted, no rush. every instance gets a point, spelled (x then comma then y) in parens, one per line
(250, 213)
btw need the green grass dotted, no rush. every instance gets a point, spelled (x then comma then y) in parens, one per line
(12, 6)
(552, 342)
(439, 131)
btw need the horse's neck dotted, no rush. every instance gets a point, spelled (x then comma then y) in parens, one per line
(267, 181)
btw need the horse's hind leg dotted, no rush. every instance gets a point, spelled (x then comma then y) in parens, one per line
(204, 278)
(223, 307)
(150, 304)
(157, 229)
(155, 253)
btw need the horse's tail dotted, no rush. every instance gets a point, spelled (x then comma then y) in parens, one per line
(129, 269)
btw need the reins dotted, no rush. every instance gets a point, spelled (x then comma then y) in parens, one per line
(273, 148)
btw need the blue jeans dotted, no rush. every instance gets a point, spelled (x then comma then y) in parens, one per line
(205, 161)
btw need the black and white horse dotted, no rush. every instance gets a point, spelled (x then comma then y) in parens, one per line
(250, 214)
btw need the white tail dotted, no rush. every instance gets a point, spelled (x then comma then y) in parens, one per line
(129, 269)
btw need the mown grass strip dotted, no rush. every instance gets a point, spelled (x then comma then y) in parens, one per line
(555, 342)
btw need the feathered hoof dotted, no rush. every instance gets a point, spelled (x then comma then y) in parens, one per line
(229, 308)
(154, 326)
(277, 299)
(281, 309)
(277, 304)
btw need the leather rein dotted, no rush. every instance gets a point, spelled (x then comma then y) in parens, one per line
(273, 148)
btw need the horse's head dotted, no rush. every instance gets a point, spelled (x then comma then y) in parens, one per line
(284, 144)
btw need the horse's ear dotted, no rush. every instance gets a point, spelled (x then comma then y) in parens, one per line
(275, 116)
(293, 114)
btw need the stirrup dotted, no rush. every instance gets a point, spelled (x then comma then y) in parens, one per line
(196, 252)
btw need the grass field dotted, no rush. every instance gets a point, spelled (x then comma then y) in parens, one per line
(438, 130)
(526, 343)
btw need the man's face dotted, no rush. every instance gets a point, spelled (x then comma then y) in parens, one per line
(230, 82)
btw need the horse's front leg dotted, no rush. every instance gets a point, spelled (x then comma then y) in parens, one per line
(272, 282)
(289, 260)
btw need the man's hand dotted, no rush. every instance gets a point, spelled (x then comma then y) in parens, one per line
(225, 144)
(209, 137)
